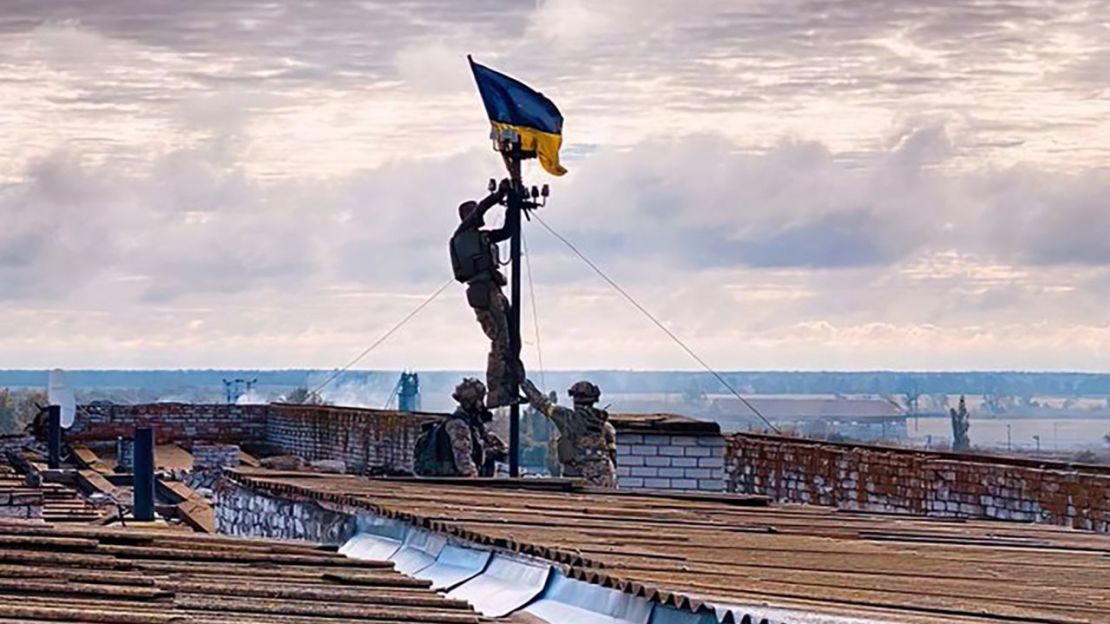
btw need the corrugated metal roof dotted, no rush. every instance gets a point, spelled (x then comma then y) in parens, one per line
(119, 576)
(825, 564)
(59, 503)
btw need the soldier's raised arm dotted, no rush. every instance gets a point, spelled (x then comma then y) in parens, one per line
(473, 213)
(558, 414)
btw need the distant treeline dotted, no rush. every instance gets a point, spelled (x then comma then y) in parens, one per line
(1019, 384)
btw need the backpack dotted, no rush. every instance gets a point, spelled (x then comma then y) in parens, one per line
(588, 422)
(434, 456)
(470, 255)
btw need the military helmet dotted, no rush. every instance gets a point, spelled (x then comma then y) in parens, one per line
(466, 208)
(584, 391)
(469, 389)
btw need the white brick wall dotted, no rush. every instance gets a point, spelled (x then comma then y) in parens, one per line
(671, 462)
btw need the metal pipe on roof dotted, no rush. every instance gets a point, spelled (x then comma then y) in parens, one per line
(143, 480)
(54, 437)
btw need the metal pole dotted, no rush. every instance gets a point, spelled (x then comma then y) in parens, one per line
(143, 477)
(516, 198)
(54, 437)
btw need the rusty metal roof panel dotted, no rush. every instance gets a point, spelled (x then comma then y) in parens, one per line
(695, 554)
(78, 574)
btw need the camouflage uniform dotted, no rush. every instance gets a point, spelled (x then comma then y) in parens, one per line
(465, 429)
(611, 442)
(495, 449)
(465, 444)
(584, 443)
(483, 293)
(494, 320)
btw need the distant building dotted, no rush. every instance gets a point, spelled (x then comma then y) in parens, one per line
(854, 418)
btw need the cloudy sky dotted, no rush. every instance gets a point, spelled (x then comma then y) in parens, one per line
(787, 184)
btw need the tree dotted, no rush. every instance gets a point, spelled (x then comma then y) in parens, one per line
(8, 425)
(961, 422)
(18, 409)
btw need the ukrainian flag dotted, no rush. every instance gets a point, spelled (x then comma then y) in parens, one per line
(513, 105)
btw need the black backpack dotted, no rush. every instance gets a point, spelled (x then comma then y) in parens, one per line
(470, 254)
(434, 456)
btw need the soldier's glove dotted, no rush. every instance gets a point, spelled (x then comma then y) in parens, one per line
(529, 389)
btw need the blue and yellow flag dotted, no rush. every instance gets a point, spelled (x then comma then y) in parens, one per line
(511, 104)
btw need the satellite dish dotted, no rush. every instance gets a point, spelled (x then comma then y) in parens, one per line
(58, 393)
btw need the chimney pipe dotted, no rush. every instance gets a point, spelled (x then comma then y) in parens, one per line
(143, 476)
(54, 437)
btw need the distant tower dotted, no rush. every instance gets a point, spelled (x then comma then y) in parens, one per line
(233, 388)
(408, 396)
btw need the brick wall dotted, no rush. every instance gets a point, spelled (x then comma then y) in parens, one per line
(367, 441)
(215, 456)
(873, 478)
(671, 462)
(245, 513)
(181, 423)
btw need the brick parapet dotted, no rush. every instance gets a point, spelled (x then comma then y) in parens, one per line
(367, 441)
(912, 482)
(180, 423)
(694, 463)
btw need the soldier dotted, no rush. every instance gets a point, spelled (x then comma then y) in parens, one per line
(585, 447)
(611, 442)
(456, 447)
(474, 258)
(495, 448)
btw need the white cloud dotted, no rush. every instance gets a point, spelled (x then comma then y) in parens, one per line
(434, 66)
(572, 21)
(242, 183)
